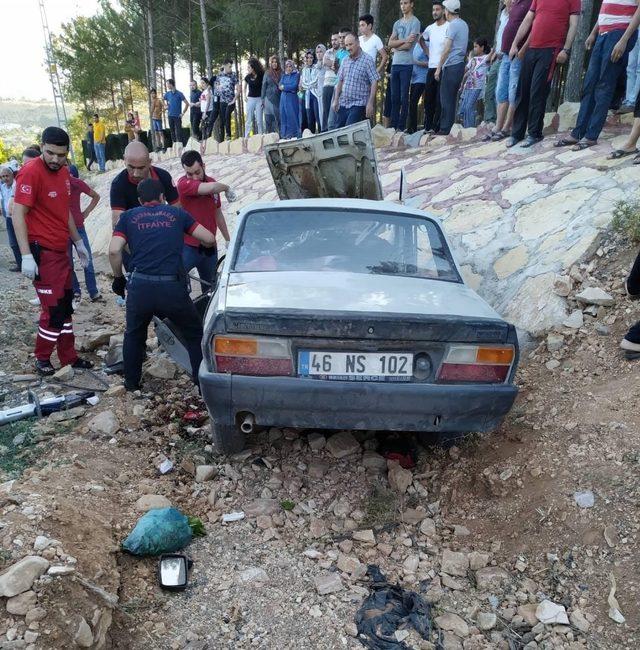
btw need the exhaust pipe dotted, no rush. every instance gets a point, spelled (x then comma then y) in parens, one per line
(248, 423)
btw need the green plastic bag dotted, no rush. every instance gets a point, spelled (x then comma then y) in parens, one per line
(164, 530)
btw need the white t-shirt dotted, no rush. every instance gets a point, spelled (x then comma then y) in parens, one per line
(435, 36)
(205, 100)
(372, 46)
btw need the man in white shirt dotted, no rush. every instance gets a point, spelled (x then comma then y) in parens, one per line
(371, 43)
(432, 42)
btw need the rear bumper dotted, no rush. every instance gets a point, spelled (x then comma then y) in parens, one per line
(319, 404)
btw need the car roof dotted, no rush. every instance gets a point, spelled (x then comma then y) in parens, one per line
(341, 204)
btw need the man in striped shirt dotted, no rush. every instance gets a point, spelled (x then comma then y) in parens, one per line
(613, 37)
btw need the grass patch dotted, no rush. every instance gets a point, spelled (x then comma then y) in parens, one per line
(381, 508)
(626, 219)
(14, 459)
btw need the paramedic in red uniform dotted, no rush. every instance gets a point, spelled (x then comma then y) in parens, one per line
(43, 227)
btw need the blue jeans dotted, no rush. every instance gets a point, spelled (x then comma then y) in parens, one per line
(192, 258)
(600, 85)
(347, 116)
(99, 149)
(13, 242)
(633, 75)
(467, 108)
(400, 82)
(508, 77)
(89, 272)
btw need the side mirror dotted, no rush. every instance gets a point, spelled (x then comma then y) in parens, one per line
(173, 571)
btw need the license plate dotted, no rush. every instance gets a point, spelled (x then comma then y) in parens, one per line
(356, 366)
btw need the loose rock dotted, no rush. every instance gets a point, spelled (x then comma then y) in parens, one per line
(21, 604)
(399, 478)
(105, 423)
(452, 623)
(343, 444)
(83, 636)
(551, 613)
(328, 583)
(152, 502)
(19, 577)
(455, 564)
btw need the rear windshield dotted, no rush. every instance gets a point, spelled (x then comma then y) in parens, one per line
(336, 240)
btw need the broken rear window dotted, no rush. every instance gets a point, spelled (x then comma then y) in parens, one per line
(335, 240)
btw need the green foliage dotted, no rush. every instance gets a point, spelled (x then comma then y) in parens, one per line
(15, 459)
(287, 504)
(626, 219)
(197, 527)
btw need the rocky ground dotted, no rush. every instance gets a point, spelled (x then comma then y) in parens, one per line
(513, 539)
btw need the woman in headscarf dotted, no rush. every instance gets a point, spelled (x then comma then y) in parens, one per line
(289, 107)
(320, 52)
(271, 95)
(309, 85)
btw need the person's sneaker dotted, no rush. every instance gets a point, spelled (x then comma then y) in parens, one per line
(625, 108)
(529, 142)
(131, 387)
(512, 142)
(97, 298)
(44, 368)
(82, 364)
(628, 345)
(76, 301)
(14, 269)
(34, 301)
(631, 296)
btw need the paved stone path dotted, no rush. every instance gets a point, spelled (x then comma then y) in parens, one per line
(515, 218)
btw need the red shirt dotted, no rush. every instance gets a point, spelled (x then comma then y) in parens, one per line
(46, 194)
(78, 188)
(551, 22)
(202, 207)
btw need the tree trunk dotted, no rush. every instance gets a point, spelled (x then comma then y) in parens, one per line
(374, 10)
(124, 104)
(575, 73)
(205, 38)
(115, 108)
(280, 33)
(172, 57)
(362, 7)
(152, 47)
(190, 41)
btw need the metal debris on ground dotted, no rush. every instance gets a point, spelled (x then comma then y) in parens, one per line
(44, 407)
(388, 609)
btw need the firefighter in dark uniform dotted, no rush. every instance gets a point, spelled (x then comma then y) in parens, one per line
(154, 233)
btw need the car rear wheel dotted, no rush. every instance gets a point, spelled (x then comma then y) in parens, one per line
(227, 439)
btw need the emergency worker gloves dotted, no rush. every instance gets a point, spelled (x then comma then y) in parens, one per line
(29, 267)
(118, 285)
(83, 253)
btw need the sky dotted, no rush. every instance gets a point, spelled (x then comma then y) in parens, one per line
(22, 43)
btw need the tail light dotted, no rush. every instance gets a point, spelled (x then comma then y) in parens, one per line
(248, 355)
(472, 363)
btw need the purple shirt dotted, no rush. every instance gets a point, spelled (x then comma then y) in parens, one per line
(357, 76)
(518, 11)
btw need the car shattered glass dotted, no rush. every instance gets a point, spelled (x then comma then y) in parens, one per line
(335, 240)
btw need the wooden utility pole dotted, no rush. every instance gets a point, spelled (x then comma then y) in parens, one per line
(575, 73)
(205, 38)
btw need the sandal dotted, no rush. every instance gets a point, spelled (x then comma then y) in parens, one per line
(583, 144)
(621, 153)
(565, 142)
(498, 136)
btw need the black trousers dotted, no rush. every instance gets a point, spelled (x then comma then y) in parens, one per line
(432, 102)
(450, 81)
(533, 90)
(195, 116)
(223, 111)
(175, 125)
(147, 299)
(416, 91)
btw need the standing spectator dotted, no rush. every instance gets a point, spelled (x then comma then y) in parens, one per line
(253, 86)
(200, 197)
(451, 67)
(355, 94)
(330, 64)
(289, 107)
(633, 80)
(129, 126)
(321, 50)
(43, 226)
(157, 109)
(309, 86)
(137, 128)
(404, 36)
(495, 57)
(195, 112)
(474, 82)
(206, 110)
(553, 25)
(432, 41)
(418, 84)
(371, 43)
(174, 99)
(225, 92)
(99, 141)
(271, 95)
(7, 189)
(509, 73)
(630, 147)
(90, 146)
(613, 36)
(78, 188)
(342, 53)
